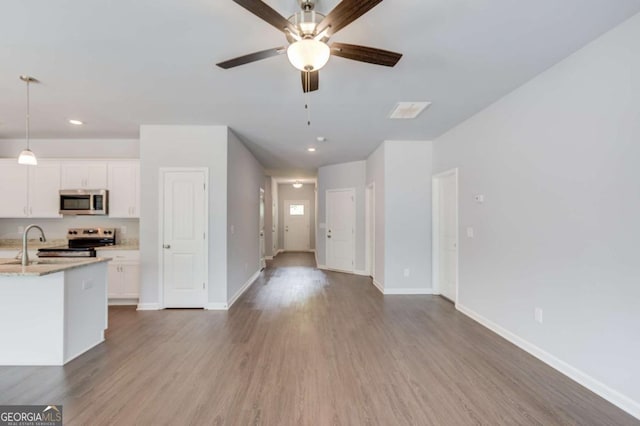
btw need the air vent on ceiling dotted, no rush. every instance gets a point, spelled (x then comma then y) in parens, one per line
(408, 110)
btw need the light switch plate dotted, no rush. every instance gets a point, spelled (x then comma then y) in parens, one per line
(479, 198)
(470, 232)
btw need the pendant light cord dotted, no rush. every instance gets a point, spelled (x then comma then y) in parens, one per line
(27, 119)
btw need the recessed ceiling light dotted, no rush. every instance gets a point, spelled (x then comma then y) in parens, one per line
(408, 110)
(76, 122)
(321, 139)
(311, 149)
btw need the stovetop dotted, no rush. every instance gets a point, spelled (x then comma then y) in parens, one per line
(82, 243)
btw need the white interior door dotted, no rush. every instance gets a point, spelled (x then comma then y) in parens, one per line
(296, 225)
(447, 234)
(184, 227)
(341, 213)
(263, 262)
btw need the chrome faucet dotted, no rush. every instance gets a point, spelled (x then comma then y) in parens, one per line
(25, 254)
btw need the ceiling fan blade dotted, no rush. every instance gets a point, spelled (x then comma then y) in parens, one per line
(365, 54)
(345, 13)
(266, 13)
(252, 57)
(310, 81)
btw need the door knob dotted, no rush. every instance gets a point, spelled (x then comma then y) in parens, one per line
(328, 236)
(167, 246)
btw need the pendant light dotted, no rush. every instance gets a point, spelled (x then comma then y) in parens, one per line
(27, 157)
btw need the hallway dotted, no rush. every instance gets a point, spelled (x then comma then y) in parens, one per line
(304, 346)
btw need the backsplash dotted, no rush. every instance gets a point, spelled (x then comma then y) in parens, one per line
(57, 228)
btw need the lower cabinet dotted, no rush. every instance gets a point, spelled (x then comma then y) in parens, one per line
(123, 278)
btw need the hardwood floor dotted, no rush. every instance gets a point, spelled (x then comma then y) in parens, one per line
(307, 347)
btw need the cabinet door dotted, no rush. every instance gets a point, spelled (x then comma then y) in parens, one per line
(96, 175)
(131, 280)
(44, 186)
(84, 175)
(114, 280)
(74, 175)
(124, 183)
(13, 189)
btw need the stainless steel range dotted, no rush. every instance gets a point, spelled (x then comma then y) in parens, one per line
(82, 242)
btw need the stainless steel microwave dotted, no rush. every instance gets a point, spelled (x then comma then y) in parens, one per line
(84, 201)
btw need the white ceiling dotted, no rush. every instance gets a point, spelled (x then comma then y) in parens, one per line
(121, 63)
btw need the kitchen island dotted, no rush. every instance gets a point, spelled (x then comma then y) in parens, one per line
(52, 310)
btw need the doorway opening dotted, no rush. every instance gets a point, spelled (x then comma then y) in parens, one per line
(445, 234)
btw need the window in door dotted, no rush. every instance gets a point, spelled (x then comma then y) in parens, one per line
(296, 209)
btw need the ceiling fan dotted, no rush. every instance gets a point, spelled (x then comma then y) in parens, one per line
(308, 33)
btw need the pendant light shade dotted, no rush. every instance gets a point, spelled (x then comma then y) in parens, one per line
(27, 157)
(308, 54)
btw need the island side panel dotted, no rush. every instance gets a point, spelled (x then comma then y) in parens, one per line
(32, 320)
(85, 309)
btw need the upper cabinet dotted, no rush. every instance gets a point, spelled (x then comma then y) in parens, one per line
(29, 191)
(124, 188)
(84, 174)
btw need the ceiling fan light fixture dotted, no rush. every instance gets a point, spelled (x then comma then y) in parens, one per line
(308, 54)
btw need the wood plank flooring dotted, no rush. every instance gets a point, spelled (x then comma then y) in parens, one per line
(307, 347)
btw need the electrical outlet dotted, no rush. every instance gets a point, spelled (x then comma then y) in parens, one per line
(20, 230)
(470, 232)
(407, 272)
(537, 315)
(87, 284)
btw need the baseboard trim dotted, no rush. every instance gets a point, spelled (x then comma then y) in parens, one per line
(216, 307)
(148, 307)
(616, 398)
(123, 302)
(362, 273)
(326, 268)
(407, 291)
(378, 285)
(268, 258)
(244, 288)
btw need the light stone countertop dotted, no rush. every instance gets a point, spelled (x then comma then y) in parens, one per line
(36, 268)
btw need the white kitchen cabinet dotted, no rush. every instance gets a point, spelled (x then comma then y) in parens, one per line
(13, 189)
(29, 191)
(124, 188)
(44, 188)
(84, 174)
(123, 278)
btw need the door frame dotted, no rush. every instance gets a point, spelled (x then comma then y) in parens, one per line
(307, 206)
(370, 229)
(355, 231)
(262, 240)
(435, 218)
(161, 173)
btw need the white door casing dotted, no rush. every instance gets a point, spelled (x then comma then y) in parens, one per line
(184, 214)
(263, 262)
(445, 218)
(340, 233)
(296, 225)
(370, 236)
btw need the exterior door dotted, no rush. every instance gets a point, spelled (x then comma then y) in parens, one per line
(446, 192)
(184, 232)
(340, 234)
(296, 225)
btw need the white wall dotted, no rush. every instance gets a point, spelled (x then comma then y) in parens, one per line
(407, 196)
(73, 148)
(183, 146)
(244, 180)
(376, 175)
(286, 192)
(342, 176)
(268, 219)
(557, 162)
